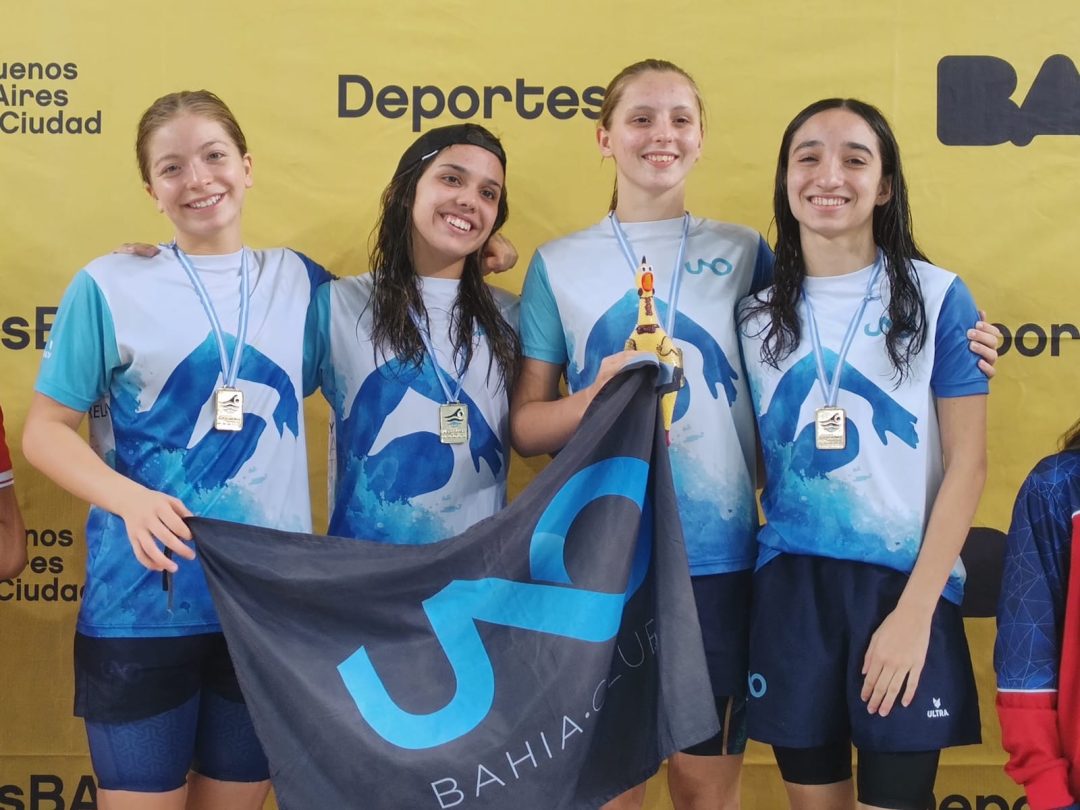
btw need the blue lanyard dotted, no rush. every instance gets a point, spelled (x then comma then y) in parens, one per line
(676, 275)
(229, 371)
(425, 338)
(831, 390)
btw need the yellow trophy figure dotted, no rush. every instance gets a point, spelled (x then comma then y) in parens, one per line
(649, 336)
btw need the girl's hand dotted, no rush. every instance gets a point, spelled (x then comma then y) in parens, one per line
(612, 365)
(139, 249)
(897, 652)
(497, 255)
(985, 338)
(153, 517)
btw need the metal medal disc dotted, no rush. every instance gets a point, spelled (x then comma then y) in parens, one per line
(228, 409)
(454, 423)
(830, 430)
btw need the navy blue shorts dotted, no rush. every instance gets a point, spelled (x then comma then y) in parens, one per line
(156, 708)
(811, 624)
(723, 605)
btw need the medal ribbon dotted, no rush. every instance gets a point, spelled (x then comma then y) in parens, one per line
(229, 371)
(676, 276)
(831, 389)
(425, 338)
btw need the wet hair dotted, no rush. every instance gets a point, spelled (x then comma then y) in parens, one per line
(1071, 439)
(614, 92)
(166, 108)
(396, 287)
(892, 229)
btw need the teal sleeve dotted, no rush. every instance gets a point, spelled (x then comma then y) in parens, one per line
(542, 336)
(317, 340)
(763, 267)
(81, 354)
(317, 274)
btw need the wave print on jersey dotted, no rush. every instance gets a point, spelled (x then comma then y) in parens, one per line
(779, 422)
(709, 519)
(382, 484)
(609, 335)
(152, 447)
(840, 512)
(150, 441)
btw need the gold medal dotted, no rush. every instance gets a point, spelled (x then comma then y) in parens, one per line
(830, 429)
(228, 409)
(454, 423)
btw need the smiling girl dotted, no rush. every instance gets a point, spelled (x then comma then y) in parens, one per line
(416, 357)
(579, 304)
(872, 416)
(190, 365)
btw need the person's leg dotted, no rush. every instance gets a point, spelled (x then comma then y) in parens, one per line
(205, 793)
(837, 796)
(817, 778)
(632, 799)
(131, 800)
(143, 765)
(706, 776)
(897, 781)
(229, 771)
(704, 782)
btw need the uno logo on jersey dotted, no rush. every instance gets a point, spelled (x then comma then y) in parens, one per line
(718, 266)
(537, 606)
(975, 105)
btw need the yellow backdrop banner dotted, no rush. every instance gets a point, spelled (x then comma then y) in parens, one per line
(982, 93)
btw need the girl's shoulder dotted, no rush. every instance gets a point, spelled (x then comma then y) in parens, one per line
(505, 300)
(724, 230)
(570, 244)
(122, 264)
(1051, 490)
(1057, 472)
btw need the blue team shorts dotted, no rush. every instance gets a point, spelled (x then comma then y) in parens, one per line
(811, 624)
(723, 606)
(156, 708)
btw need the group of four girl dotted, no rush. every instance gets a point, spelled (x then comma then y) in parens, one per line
(872, 474)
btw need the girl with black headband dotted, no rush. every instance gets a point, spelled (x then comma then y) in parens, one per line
(416, 357)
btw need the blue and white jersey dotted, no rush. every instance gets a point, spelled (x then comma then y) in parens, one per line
(133, 346)
(870, 501)
(580, 304)
(394, 479)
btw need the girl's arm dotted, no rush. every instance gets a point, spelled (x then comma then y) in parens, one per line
(12, 535)
(541, 421)
(52, 444)
(12, 529)
(897, 650)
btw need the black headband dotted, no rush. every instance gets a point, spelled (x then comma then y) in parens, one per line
(434, 141)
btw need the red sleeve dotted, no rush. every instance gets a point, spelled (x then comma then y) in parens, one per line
(1029, 732)
(5, 456)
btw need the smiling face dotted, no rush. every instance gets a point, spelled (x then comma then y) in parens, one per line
(835, 178)
(454, 209)
(654, 134)
(198, 177)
